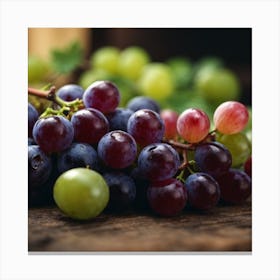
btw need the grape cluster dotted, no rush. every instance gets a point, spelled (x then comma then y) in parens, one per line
(91, 155)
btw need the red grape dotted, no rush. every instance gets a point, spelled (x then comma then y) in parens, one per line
(231, 117)
(102, 95)
(193, 125)
(169, 118)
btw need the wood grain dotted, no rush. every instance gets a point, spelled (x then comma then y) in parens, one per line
(225, 228)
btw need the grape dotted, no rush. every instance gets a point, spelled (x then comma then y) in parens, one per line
(167, 197)
(32, 118)
(146, 127)
(102, 95)
(31, 141)
(70, 92)
(142, 102)
(53, 133)
(117, 149)
(142, 184)
(39, 167)
(132, 61)
(203, 191)
(248, 166)
(218, 85)
(169, 118)
(89, 125)
(119, 118)
(78, 155)
(235, 186)
(212, 158)
(122, 191)
(238, 145)
(158, 162)
(231, 117)
(107, 59)
(193, 125)
(81, 193)
(156, 81)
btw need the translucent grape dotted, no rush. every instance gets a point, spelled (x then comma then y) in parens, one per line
(193, 125)
(231, 117)
(170, 118)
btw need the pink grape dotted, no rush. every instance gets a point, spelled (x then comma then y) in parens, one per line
(170, 118)
(231, 117)
(193, 125)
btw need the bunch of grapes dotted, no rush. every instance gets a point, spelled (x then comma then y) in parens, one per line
(89, 155)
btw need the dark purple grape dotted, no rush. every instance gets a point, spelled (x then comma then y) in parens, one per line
(117, 149)
(146, 127)
(212, 158)
(142, 184)
(203, 191)
(53, 134)
(142, 102)
(248, 166)
(119, 118)
(89, 126)
(32, 118)
(168, 197)
(235, 185)
(78, 155)
(70, 92)
(158, 162)
(122, 191)
(31, 141)
(39, 167)
(103, 96)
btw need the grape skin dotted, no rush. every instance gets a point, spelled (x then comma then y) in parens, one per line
(231, 117)
(203, 191)
(235, 185)
(167, 197)
(89, 125)
(117, 149)
(146, 127)
(77, 155)
(193, 125)
(158, 162)
(70, 92)
(170, 118)
(119, 118)
(32, 118)
(103, 96)
(53, 133)
(122, 191)
(142, 102)
(212, 158)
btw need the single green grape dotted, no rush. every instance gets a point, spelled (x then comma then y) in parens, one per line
(132, 61)
(38, 70)
(81, 193)
(218, 86)
(107, 59)
(156, 81)
(90, 76)
(238, 145)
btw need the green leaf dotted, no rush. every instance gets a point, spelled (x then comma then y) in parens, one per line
(66, 60)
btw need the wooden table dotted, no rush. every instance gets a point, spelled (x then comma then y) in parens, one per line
(224, 228)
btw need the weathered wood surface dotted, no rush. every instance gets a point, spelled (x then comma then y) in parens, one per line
(225, 228)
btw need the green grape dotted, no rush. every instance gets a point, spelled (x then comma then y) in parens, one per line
(81, 193)
(156, 81)
(207, 64)
(238, 145)
(107, 59)
(217, 86)
(132, 61)
(38, 70)
(181, 70)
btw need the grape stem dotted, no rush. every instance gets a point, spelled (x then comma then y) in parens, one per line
(179, 145)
